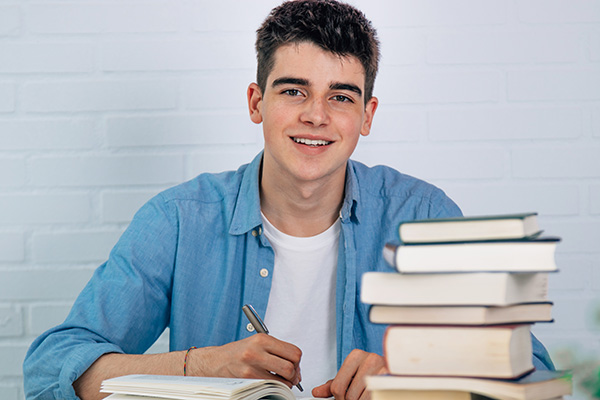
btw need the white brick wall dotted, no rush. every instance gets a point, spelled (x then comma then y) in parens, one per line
(104, 104)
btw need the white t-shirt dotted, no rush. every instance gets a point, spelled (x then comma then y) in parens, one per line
(301, 308)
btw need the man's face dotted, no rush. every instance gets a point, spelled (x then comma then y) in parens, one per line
(313, 112)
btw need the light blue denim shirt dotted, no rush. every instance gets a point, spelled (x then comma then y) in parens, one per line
(192, 257)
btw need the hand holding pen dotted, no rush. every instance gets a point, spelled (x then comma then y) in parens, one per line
(259, 326)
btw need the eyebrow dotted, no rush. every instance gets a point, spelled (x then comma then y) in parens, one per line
(346, 86)
(290, 81)
(305, 82)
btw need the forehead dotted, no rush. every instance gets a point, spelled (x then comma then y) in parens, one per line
(308, 61)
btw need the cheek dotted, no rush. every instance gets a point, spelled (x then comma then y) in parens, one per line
(276, 117)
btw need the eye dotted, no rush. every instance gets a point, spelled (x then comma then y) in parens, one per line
(342, 98)
(292, 92)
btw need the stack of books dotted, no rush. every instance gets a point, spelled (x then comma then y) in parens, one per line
(460, 306)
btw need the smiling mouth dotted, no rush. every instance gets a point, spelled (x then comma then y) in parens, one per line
(310, 142)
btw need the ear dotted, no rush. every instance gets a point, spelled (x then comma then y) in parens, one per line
(254, 103)
(370, 109)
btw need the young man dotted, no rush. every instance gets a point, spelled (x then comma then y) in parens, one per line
(290, 233)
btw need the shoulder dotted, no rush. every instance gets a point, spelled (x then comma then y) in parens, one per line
(392, 188)
(205, 188)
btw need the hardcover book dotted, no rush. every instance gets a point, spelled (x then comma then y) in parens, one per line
(494, 255)
(505, 226)
(499, 351)
(461, 315)
(481, 288)
(538, 385)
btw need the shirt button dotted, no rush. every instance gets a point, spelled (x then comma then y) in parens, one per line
(264, 272)
(260, 230)
(249, 327)
(254, 233)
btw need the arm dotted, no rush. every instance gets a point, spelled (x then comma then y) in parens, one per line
(122, 311)
(129, 291)
(253, 357)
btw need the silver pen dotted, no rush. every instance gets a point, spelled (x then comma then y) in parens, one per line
(259, 326)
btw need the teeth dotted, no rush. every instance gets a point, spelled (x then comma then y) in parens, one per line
(310, 142)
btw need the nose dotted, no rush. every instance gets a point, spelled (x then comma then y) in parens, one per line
(315, 112)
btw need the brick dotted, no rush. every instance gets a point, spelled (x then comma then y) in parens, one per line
(505, 123)
(122, 17)
(572, 314)
(596, 122)
(120, 206)
(7, 97)
(18, 209)
(577, 236)
(394, 124)
(595, 46)
(572, 84)
(178, 130)
(45, 316)
(73, 246)
(10, 20)
(46, 57)
(434, 12)
(12, 246)
(106, 170)
(219, 91)
(219, 161)
(207, 16)
(12, 172)
(42, 285)
(575, 272)
(537, 46)
(429, 163)
(546, 11)
(10, 393)
(11, 321)
(396, 86)
(595, 199)
(78, 96)
(546, 199)
(399, 47)
(48, 134)
(12, 356)
(567, 161)
(226, 51)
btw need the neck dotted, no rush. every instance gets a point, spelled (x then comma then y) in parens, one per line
(301, 209)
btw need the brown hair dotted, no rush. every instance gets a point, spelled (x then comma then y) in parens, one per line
(334, 26)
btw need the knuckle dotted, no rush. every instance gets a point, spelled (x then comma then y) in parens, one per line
(356, 353)
(373, 360)
(288, 370)
(337, 390)
(246, 372)
(298, 355)
(246, 355)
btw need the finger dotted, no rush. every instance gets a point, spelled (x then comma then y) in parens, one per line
(346, 373)
(372, 364)
(281, 349)
(272, 355)
(323, 390)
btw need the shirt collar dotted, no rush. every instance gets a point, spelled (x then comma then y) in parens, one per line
(246, 215)
(350, 210)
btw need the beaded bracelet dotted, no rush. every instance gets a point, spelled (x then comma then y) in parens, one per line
(185, 359)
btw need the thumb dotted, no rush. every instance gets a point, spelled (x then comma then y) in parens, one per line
(324, 390)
